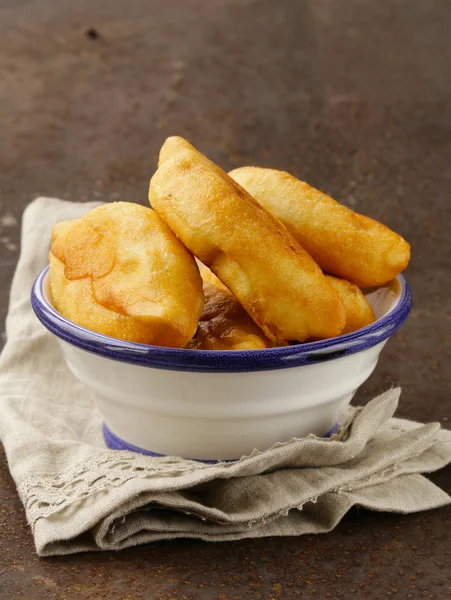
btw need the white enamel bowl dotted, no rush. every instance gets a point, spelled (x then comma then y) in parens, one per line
(220, 405)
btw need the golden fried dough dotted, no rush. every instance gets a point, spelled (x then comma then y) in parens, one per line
(342, 242)
(358, 310)
(224, 324)
(209, 277)
(270, 274)
(119, 270)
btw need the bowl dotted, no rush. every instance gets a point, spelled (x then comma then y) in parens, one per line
(215, 405)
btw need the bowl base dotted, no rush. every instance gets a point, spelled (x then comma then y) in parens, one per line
(114, 442)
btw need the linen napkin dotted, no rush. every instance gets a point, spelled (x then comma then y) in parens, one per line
(78, 495)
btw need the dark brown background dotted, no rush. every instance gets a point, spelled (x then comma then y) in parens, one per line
(352, 95)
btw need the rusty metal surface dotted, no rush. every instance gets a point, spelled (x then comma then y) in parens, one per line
(352, 95)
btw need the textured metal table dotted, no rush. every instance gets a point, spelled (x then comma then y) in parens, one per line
(352, 95)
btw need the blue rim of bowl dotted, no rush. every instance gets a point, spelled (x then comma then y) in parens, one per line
(219, 361)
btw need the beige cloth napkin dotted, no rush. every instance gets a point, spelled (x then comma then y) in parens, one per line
(78, 495)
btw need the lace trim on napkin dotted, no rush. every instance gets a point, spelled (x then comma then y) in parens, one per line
(45, 495)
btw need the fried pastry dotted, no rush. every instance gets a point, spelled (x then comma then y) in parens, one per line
(342, 242)
(359, 312)
(270, 274)
(120, 271)
(224, 324)
(209, 277)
